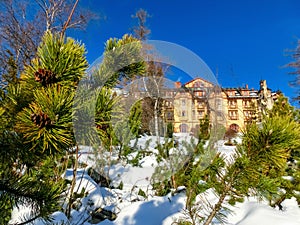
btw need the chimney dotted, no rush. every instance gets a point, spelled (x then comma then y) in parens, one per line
(247, 87)
(177, 84)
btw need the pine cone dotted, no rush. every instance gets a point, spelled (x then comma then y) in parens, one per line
(45, 77)
(41, 120)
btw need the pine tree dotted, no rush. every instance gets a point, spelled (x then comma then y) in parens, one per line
(257, 169)
(135, 119)
(122, 60)
(258, 165)
(290, 182)
(37, 114)
(41, 134)
(128, 128)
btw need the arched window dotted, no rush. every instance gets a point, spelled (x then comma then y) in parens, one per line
(183, 128)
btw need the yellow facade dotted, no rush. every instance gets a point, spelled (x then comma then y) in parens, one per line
(233, 108)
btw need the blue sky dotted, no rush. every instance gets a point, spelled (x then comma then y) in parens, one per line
(245, 41)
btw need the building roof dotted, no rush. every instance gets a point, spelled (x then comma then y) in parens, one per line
(198, 78)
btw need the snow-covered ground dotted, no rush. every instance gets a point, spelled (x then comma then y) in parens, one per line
(134, 209)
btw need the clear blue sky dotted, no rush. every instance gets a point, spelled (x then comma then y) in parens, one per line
(246, 40)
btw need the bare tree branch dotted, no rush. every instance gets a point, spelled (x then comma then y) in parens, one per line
(69, 18)
(23, 23)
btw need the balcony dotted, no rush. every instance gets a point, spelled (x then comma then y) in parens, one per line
(232, 106)
(246, 106)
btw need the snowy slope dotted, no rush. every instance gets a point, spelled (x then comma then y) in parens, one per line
(132, 209)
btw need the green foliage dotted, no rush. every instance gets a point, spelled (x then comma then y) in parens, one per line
(162, 188)
(122, 61)
(12, 102)
(204, 131)
(47, 123)
(135, 118)
(170, 130)
(11, 76)
(264, 154)
(6, 209)
(142, 193)
(256, 169)
(185, 170)
(136, 160)
(123, 137)
(291, 184)
(270, 145)
(164, 149)
(36, 127)
(42, 195)
(140, 154)
(107, 110)
(282, 107)
(182, 168)
(58, 61)
(121, 185)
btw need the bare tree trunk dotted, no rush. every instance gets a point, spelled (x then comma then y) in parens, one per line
(156, 125)
(75, 167)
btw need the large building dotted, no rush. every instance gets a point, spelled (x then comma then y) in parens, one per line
(184, 105)
(232, 108)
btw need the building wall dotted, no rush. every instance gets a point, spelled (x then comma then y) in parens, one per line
(232, 107)
(190, 105)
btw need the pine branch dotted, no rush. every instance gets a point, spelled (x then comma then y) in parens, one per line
(217, 207)
(42, 197)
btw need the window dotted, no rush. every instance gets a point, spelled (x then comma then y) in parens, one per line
(168, 104)
(248, 114)
(169, 116)
(193, 114)
(193, 105)
(219, 104)
(200, 93)
(169, 94)
(233, 114)
(246, 103)
(245, 93)
(200, 114)
(183, 128)
(183, 103)
(183, 113)
(197, 84)
(232, 104)
(200, 104)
